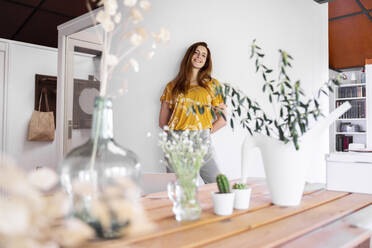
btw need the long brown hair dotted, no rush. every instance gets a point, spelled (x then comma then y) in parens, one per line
(182, 80)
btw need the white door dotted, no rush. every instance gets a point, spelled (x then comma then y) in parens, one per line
(81, 87)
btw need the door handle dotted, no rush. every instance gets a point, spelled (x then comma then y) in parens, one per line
(69, 136)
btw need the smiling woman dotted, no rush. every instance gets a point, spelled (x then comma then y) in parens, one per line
(194, 86)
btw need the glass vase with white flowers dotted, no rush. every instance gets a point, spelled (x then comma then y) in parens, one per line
(184, 152)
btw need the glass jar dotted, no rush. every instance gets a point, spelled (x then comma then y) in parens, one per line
(98, 175)
(184, 195)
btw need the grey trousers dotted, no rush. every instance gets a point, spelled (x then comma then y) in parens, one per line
(209, 170)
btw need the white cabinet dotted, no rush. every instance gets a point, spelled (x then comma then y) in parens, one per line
(350, 172)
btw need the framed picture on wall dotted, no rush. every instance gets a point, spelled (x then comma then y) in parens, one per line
(85, 92)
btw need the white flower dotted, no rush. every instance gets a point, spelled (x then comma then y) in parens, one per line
(150, 55)
(136, 15)
(110, 6)
(117, 18)
(14, 216)
(134, 64)
(145, 5)
(162, 36)
(105, 19)
(43, 178)
(112, 60)
(142, 32)
(136, 39)
(73, 233)
(129, 3)
(82, 188)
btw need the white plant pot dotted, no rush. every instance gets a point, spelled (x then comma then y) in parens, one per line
(223, 203)
(242, 198)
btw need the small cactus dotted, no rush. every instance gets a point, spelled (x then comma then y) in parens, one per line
(223, 183)
(239, 186)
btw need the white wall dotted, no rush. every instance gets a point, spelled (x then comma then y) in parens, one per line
(26, 60)
(299, 27)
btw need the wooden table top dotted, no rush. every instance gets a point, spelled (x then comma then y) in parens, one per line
(323, 219)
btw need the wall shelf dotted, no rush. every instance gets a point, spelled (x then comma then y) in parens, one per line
(352, 133)
(350, 98)
(349, 85)
(353, 119)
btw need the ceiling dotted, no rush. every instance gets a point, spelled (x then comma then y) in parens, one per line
(36, 21)
(350, 33)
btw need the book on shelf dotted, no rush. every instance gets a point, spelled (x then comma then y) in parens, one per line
(342, 142)
(357, 110)
(346, 92)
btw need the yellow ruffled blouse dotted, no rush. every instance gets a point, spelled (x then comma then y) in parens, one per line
(182, 117)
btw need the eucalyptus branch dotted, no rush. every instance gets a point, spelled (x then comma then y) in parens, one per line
(295, 110)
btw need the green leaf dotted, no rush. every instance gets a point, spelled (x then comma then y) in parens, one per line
(249, 130)
(330, 88)
(261, 55)
(232, 123)
(242, 100)
(316, 103)
(267, 131)
(264, 76)
(270, 98)
(249, 102)
(222, 114)
(213, 114)
(193, 109)
(271, 87)
(201, 109)
(269, 71)
(287, 84)
(239, 111)
(257, 126)
(281, 133)
(233, 103)
(227, 90)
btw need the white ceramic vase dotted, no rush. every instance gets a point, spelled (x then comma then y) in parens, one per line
(223, 203)
(242, 198)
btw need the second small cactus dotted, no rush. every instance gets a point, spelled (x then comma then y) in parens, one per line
(239, 186)
(223, 183)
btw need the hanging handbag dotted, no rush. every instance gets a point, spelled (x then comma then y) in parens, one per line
(41, 127)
